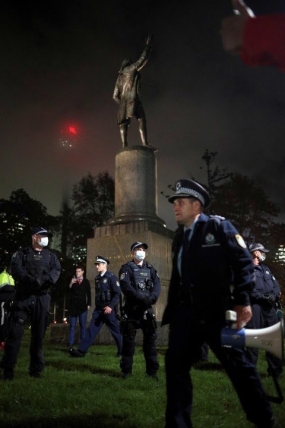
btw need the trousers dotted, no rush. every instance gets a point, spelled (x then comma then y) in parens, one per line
(187, 334)
(35, 308)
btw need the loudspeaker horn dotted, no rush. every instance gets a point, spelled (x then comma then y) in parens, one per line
(270, 339)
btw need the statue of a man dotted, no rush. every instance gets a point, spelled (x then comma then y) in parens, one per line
(127, 95)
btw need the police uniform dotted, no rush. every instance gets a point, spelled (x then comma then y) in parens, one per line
(198, 297)
(107, 293)
(34, 273)
(140, 286)
(263, 302)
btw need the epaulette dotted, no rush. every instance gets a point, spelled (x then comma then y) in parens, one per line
(217, 217)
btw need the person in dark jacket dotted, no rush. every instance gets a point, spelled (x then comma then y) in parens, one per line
(107, 296)
(264, 299)
(209, 259)
(79, 304)
(35, 269)
(141, 289)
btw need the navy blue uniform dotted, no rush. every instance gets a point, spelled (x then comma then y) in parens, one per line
(107, 293)
(31, 301)
(141, 289)
(264, 312)
(217, 258)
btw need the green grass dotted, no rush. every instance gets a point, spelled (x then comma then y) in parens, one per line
(89, 392)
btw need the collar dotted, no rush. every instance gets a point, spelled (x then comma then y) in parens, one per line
(192, 225)
(140, 264)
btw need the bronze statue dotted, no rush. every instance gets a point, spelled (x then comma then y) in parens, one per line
(127, 95)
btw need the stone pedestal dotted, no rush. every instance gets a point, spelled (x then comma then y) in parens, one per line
(136, 186)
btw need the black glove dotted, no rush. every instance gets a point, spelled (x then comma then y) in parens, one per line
(40, 280)
(147, 302)
(271, 299)
(30, 279)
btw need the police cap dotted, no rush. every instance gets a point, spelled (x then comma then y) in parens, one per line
(185, 188)
(257, 247)
(101, 259)
(139, 244)
(38, 230)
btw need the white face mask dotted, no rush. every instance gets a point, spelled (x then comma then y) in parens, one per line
(262, 257)
(43, 242)
(140, 255)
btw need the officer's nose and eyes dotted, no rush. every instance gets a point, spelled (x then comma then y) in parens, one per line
(100, 267)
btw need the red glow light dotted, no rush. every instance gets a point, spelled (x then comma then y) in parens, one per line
(72, 130)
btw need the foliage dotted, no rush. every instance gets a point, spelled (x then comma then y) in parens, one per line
(92, 205)
(93, 199)
(246, 205)
(90, 392)
(17, 215)
(215, 175)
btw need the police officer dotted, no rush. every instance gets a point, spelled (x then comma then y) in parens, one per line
(209, 256)
(141, 289)
(107, 296)
(35, 269)
(264, 300)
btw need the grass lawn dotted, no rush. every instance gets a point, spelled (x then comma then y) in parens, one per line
(90, 393)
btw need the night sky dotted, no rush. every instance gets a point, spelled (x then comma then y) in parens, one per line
(59, 65)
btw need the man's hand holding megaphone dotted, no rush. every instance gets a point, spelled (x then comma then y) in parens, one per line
(243, 316)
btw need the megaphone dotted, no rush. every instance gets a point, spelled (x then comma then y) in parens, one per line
(270, 339)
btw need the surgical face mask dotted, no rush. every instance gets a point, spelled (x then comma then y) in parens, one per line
(262, 257)
(43, 242)
(140, 255)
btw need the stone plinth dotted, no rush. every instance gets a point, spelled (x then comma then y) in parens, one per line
(135, 186)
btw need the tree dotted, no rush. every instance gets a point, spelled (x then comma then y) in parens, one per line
(93, 199)
(92, 205)
(17, 215)
(246, 205)
(215, 175)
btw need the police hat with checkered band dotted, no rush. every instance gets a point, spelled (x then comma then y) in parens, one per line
(100, 259)
(185, 188)
(257, 247)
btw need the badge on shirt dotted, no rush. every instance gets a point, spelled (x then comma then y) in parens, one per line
(240, 241)
(210, 239)
(105, 280)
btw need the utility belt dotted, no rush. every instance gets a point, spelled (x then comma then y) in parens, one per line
(264, 304)
(148, 320)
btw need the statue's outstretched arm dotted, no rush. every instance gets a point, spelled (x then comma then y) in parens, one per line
(142, 61)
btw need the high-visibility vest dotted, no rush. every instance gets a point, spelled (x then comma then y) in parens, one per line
(6, 279)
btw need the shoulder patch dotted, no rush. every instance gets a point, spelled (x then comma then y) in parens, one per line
(122, 276)
(117, 284)
(240, 241)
